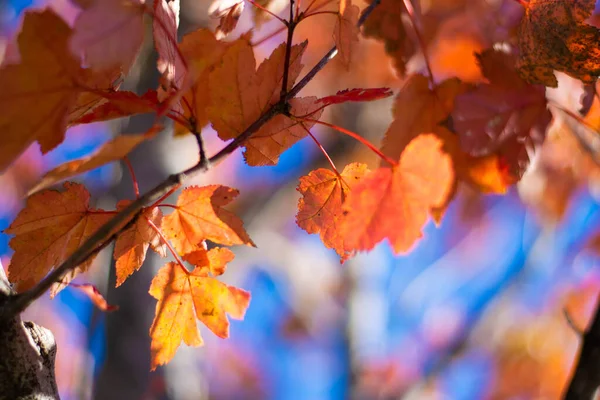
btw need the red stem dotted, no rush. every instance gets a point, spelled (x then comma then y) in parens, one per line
(268, 12)
(320, 146)
(136, 188)
(166, 242)
(164, 196)
(166, 205)
(321, 12)
(357, 137)
(411, 14)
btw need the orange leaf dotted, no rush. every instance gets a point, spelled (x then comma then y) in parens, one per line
(215, 260)
(239, 95)
(132, 244)
(120, 104)
(202, 51)
(419, 109)
(49, 229)
(386, 24)
(180, 295)
(395, 203)
(109, 33)
(95, 296)
(38, 93)
(320, 207)
(199, 216)
(281, 132)
(105, 82)
(113, 150)
(345, 32)
(554, 35)
(229, 12)
(502, 117)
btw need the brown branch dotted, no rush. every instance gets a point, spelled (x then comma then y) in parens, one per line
(586, 372)
(109, 231)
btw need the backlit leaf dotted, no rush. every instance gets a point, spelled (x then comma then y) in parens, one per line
(132, 244)
(394, 203)
(199, 216)
(184, 296)
(345, 32)
(320, 207)
(113, 150)
(49, 229)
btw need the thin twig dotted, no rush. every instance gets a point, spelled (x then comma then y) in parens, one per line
(288, 51)
(121, 221)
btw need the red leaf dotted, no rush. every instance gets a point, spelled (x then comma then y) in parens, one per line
(95, 296)
(344, 96)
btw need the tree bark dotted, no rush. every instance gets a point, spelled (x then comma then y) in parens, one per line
(27, 353)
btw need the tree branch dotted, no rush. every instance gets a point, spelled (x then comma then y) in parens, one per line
(586, 375)
(107, 232)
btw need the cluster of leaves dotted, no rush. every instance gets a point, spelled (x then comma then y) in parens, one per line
(443, 134)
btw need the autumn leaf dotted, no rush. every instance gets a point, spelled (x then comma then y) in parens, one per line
(320, 207)
(109, 33)
(554, 35)
(281, 132)
(215, 259)
(94, 295)
(347, 95)
(38, 93)
(49, 229)
(386, 24)
(394, 203)
(345, 32)
(132, 244)
(184, 296)
(239, 94)
(502, 117)
(199, 215)
(164, 31)
(102, 82)
(420, 109)
(113, 150)
(119, 104)
(202, 51)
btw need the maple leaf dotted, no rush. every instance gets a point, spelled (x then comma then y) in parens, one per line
(94, 295)
(164, 30)
(118, 105)
(281, 132)
(386, 24)
(553, 35)
(199, 215)
(132, 244)
(394, 203)
(109, 33)
(320, 207)
(503, 116)
(38, 93)
(113, 150)
(345, 32)
(419, 109)
(184, 296)
(106, 81)
(49, 229)
(347, 95)
(202, 51)
(239, 95)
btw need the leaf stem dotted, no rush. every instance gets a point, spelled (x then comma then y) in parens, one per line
(357, 137)
(136, 188)
(255, 4)
(166, 242)
(415, 23)
(320, 146)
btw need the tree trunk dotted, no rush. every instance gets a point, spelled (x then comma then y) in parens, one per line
(27, 353)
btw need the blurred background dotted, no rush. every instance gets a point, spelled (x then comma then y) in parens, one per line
(488, 305)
